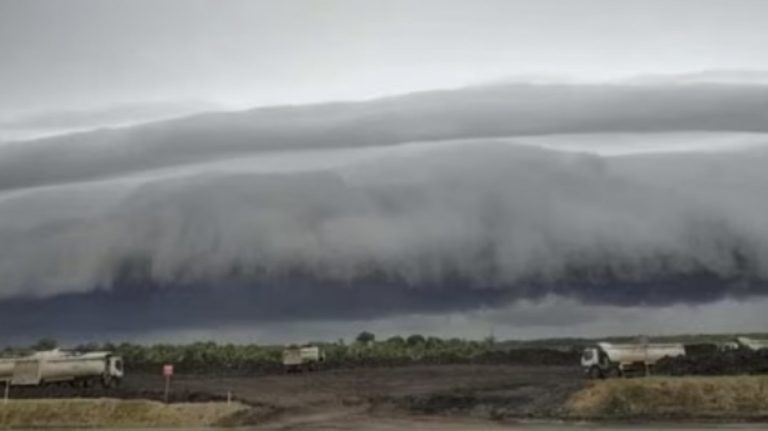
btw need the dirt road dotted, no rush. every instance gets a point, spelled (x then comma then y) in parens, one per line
(447, 397)
(482, 391)
(475, 391)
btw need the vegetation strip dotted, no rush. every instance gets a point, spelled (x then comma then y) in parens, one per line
(366, 350)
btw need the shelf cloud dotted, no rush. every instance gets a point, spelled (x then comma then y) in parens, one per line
(344, 221)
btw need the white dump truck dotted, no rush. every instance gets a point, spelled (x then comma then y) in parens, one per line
(56, 366)
(752, 343)
(302, 358)
(615, 360)
(6, 369)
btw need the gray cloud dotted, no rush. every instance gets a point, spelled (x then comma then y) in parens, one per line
(426, 230)
(611, 195)
(473, 112)
(38, 124)
(87, 52)
(192, 222)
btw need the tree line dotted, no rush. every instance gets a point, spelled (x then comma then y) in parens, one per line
(365, 350)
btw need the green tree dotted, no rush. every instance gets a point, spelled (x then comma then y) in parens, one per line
(365, 337)
(415, 340)
(396, 341)
(433, 342)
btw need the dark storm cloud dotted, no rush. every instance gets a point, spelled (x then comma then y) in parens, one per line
(340, 212)
(131, 308)
(371, 229)
(435, 229)
(142, 307)
(473, 112)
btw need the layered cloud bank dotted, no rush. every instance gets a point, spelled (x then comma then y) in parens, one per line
(493, 111)
(31, 125)
(198, 222)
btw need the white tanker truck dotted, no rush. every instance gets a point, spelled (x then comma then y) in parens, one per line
(56, 366)
(752, 343)
(302, 358)
(616, 360)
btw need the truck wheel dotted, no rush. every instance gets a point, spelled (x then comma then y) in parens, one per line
(595, 373)
(613, 372)
(106, 382)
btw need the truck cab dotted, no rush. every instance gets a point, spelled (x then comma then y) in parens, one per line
(595, 362)
(589, 357)
(114, 372)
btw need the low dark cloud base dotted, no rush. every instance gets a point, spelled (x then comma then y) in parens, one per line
(133, 307)
(420, 228)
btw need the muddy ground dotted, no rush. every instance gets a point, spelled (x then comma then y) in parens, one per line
(480, 391)
(715, 363)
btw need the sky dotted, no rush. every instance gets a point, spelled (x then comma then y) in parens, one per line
(84, 53)
(184, 169)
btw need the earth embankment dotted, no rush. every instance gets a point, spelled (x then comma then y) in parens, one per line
(724, 398)
(113, 413)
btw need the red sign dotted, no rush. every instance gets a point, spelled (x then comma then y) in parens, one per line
(168, 370)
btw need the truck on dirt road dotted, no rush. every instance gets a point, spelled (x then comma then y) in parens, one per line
(57, 366)
(306, 358)
(617, 360)
(752, 343)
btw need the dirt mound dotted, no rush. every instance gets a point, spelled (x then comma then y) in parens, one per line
(111, 413)
(733, 362)
(724, 397)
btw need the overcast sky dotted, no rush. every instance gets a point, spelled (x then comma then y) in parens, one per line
(79, 53)
(630, 200)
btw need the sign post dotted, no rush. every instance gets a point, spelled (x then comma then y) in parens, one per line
(167, 373)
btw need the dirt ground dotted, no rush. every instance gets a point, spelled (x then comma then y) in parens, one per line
(485, 391)
(476, 391)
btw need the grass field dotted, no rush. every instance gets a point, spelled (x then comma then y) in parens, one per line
(726, 397)
(112, 413)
